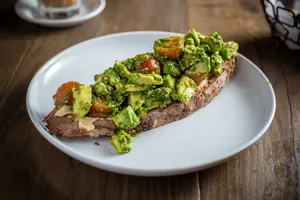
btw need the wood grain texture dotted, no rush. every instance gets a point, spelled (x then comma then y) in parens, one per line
(31, 168)
(270, 168)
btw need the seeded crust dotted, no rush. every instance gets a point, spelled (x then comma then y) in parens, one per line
(68, 126)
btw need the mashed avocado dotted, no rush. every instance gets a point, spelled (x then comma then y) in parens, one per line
(132, 87)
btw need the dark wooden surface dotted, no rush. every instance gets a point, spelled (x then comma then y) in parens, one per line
(31, 168)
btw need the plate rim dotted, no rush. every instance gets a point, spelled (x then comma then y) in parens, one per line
(129, 170)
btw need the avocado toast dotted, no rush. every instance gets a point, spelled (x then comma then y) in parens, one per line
(183, 74)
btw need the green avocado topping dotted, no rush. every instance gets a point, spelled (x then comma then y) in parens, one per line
(129, 89)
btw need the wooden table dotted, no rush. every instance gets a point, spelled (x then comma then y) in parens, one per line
(31, 168)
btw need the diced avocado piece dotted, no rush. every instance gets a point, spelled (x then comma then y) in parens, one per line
(192, 55)
(185, 89)
(135, 100)
(99, 78)
(171, 67)
(214, 41)
(159, 97)
(113, 78)
(205, 47)
(129, 63)
(141, 111)
(108, 76)
(226, 53)
(82, 100)
(201, 67)
(121, 141)
(216, 60)
(135, 88)
(114, 100)
(121, 70)
(232, 45)
(126, 119)
(174, 94)
(200, 35)
(169, 81)
(216, 71)
(100, 89)
(145, 79)
(189, 41)
(122, 88)
(194, 35)
(229, 49)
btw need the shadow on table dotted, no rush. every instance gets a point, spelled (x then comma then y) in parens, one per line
(270, 50)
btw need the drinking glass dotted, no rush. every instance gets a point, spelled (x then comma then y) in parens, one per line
(59, 9)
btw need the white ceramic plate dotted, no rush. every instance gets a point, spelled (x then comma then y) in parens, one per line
(234, 120)
(29, 11)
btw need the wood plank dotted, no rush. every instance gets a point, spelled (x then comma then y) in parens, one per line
(291, 70)
(14, 43)
(31, 167)
(269, 169)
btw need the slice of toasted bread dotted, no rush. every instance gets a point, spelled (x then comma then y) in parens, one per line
(69, 126)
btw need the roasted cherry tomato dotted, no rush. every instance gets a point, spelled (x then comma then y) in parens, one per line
(197, 78)
(151, 64)
(64, 94)
(171, 48)
(99, 106)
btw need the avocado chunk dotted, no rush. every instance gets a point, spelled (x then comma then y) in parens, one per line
(214, 41)
(217, 71)
(201, 67)
(114, 100)
(131, 88)
(232, 45)
(121, 70)
(205, 47)
(171, 67)
(135, 100)
(141, 111)
(126, 119)
(216, 60)
(229, 49)
(145, 79)
(121, 141)
(194, 36)
(226, 53)
(216, 64)
(135, 88)
(169, 81)
(200, 36)
(192, 55)
(100, 89)
(82, 100)
(185, 89)
(108, 76)
(159, 97)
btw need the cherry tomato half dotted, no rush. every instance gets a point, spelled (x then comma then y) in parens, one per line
(151, 64)
(99, 106)
(171, 48)
(64, 94)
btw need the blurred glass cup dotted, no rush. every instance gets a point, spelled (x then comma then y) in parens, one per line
(59, 9)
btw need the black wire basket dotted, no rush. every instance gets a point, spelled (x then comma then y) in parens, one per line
(283, 17)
